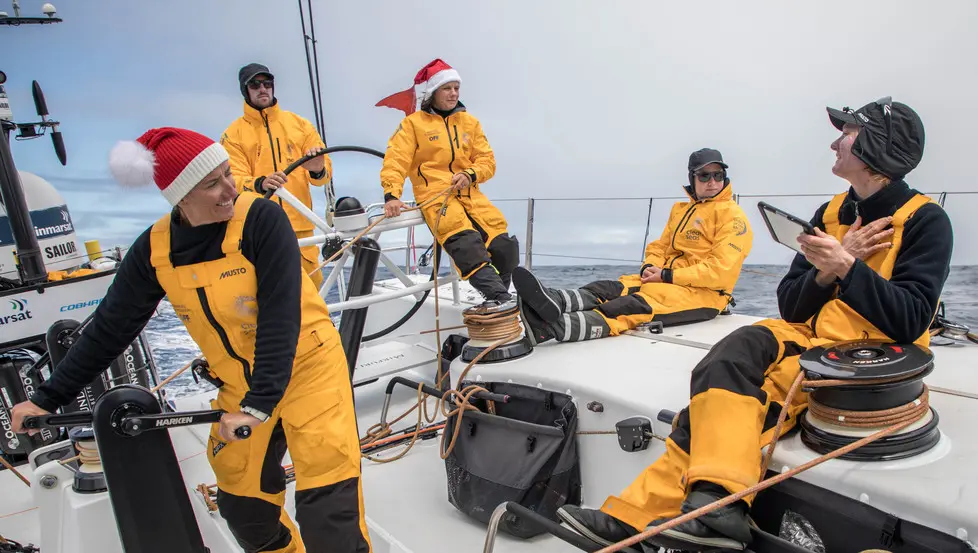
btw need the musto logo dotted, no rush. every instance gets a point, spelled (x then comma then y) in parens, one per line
(81, 305)
(20, 312)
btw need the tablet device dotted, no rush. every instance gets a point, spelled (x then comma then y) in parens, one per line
(784, 227)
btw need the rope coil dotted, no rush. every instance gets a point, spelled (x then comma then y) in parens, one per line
(913, 411)
(492, 326)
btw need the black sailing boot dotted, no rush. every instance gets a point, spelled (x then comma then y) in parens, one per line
(549, 303)
(597, 526)
(725, 529)
(488, 282)
(569, 327)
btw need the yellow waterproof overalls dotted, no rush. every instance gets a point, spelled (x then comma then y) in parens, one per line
(430, 150)
(704, 246)
(716, 438)
(216, 301)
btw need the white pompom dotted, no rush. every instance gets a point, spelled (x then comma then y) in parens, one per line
(132, 164)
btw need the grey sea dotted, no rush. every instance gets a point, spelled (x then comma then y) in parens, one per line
(754, 294)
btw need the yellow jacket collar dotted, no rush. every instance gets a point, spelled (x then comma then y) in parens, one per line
(725, 193)
(271, 112)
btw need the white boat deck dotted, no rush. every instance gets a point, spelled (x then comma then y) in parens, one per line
(641, 374)
(637, 374)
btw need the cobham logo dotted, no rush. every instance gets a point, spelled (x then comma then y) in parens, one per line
(234, 272)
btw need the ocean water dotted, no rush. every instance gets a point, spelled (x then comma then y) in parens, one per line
(755, 294)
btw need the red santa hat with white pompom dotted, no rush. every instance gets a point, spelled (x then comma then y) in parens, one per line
(431, 77)
(176, 160)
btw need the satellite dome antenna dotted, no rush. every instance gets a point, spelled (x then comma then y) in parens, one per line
(31, 263)
(47, 9)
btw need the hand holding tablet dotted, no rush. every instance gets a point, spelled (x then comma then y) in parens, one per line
(784, 227)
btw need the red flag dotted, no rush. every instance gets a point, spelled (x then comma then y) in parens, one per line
(403, 100)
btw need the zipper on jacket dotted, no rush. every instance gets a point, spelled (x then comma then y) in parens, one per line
(815, 321)
(456, 136)
(279, 144)
(451, 146)
(679, 228)
(271, 143)
(202, 296)
(420, 174)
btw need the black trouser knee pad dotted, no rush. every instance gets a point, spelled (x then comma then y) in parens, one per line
(505, 253)
(255, 523)
(467, 250)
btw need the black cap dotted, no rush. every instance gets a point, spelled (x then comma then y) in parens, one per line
(250, 71)
(701, 158)
(891, 135)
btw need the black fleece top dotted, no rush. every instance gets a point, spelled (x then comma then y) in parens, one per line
(267, 241)
(902, 307)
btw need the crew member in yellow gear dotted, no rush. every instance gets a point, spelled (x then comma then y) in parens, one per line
(688, 274)
(229, 265)
(874, 269)
(266, 140)
(442, 146)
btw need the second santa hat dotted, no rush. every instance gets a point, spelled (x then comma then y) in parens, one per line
(176, 160)
(433, 76)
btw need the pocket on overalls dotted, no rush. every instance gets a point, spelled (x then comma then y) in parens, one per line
(229, 460)
(320, 432)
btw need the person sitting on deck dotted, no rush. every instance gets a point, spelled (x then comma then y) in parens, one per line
(687, 276)
(443, 146)
(874, 270)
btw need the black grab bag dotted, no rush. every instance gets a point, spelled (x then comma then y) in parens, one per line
(526, 453)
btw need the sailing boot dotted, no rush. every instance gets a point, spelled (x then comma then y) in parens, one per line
(597, 526)
(725, 529)
(549, 303)
(536, 329)
(569, 327)
(488, 282)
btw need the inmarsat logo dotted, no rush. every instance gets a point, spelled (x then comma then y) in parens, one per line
(64, 216)
(20, 312)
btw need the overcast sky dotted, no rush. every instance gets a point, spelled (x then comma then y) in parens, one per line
(593, 99)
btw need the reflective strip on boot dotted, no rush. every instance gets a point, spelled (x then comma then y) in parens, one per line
(568, 303)
(580, 326)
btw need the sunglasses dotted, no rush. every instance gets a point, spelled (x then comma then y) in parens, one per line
(715, 175)
(255, 85)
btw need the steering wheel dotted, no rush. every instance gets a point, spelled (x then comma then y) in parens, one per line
(331, 205)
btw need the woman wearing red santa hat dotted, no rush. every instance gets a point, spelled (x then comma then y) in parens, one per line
(229, 264)
(443, 146)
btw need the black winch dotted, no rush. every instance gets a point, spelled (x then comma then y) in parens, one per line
(489, 323)
(881, 385)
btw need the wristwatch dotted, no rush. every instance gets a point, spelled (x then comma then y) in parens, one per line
(255, 413)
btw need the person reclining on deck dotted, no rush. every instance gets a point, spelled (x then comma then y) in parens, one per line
(687, 276)
(874, 270)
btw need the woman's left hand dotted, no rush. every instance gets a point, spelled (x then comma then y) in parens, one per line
(316, 164)
(460, 181)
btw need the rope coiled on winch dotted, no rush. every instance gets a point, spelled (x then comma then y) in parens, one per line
(492, 326)
(913, 411)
